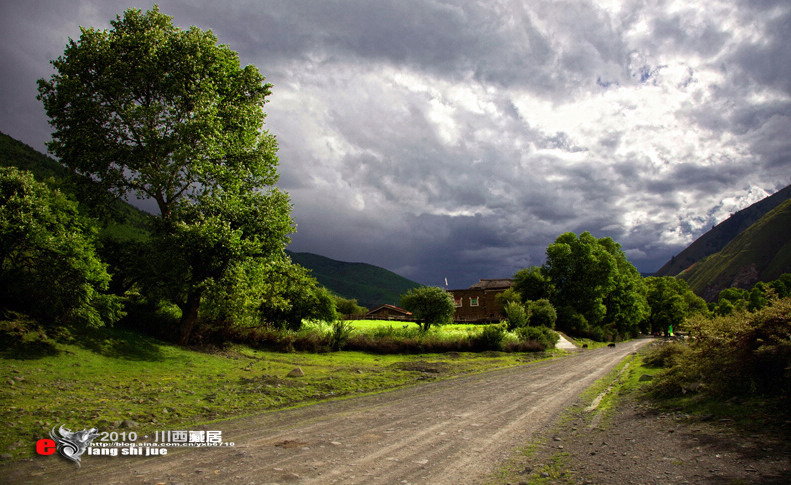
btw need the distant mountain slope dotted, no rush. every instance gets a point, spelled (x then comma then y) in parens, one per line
(370, 285)
(120, 220)
(14, 153)
(762, 252)
(718, 237)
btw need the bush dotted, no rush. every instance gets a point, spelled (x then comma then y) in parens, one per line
(48, 263)
(339, 335)
(543, 336)
(490, 338)
(542, 314)
(738, 354)
(524, 346)
(515, 315)
(665, 354)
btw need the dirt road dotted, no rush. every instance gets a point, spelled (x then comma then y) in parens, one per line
(448, 432)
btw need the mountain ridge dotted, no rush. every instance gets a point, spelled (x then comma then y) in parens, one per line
(723, 233)
(369, 284)
(762, 252)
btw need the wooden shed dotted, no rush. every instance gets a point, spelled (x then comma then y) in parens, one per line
(389, 312)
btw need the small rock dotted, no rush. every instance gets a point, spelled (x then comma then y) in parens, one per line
(646, 377)
(6, 456)
(296, 372)
(128, 423)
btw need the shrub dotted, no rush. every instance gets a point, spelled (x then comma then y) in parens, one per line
(523, 346)
(665, 354)
(543, 336)
(515, 315)
(490, 338)
(49, 268)
(542, 313)
(737, 354)
(339, 335)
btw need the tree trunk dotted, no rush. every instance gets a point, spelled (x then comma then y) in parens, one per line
(189, 315)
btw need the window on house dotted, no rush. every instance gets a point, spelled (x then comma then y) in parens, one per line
(474, 301)
(457, 301)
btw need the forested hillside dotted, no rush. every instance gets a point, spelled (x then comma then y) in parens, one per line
(118, 217)
(723, 233)
(370, 285)
(760, 253)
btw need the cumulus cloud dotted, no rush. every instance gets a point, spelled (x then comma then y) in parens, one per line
(458, 139)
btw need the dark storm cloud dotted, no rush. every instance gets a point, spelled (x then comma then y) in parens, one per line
(458, 139)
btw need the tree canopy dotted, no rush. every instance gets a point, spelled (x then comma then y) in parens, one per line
(671, 302)
(591, 285)
(162, 113)
(429, 305)
(150, 110)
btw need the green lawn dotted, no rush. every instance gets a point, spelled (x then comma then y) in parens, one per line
(365, 325)
(116, 375)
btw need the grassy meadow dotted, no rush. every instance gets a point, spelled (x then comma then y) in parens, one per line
(114, 379)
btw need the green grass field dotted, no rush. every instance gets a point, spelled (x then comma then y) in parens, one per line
(375, 324)
(115, 375)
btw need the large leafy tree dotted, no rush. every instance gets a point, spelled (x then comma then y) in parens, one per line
(161, 113)
(582, 273)
(274, 293)
(595, 289)
(627, 306)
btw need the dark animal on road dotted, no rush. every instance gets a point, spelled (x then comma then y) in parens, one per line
(611, 345)
(584, 346)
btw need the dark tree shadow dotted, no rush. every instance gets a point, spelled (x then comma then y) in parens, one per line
(22, 339)
(27, 349)
(119, 343)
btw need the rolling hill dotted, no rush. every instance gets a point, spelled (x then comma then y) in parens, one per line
(120, 220)
(719, 236)
(14, 153)
(370, 285)
(762, 252)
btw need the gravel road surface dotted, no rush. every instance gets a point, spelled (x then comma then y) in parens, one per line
(456, 431)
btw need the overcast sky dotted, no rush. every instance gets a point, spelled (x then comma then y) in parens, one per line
(458, 138)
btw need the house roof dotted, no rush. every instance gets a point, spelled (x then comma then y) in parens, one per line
(390, 307)
(493, 284)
